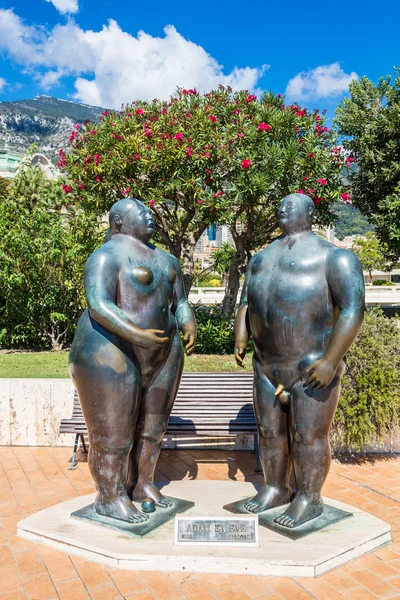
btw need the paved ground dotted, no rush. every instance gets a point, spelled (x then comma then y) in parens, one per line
(34, 478)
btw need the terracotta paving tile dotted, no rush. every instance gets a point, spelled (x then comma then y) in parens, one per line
(321, 589)
(377, 566)
(360, 593)
(340, 580)
(59, 565)
(10, 579)
(196, 589)
(93, 574)
(217, 580)
(253, 586)
(386, 554)
(30, 562)
(127, 582)
(39, 587)
(376, 585)
(72, 589)
(288, 588)
(161, 585)
(6, 557)
(13, 596)
(108, 592)
(140, 596)
(232, 593)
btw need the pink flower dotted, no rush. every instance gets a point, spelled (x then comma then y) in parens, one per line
(92, 132)
(251, 98)
(81, 186)
(301, 113)
(179, 136)
(264, 127)
(310, 192)
(208, 171)
(200, 201)
(345, 196)
(322, 181)
(125, 191)
(349, 160)
(164, 112)
(60, 152)
(299, 192)
(311, 155)
(67, 188)
(152, 203)
(218, 194)
(189, 151)
(136, 156)
(317, 200)
(317, 118)
(98, 159)
(112, 124)
(279, 95)
(212, 118)
(99, 177)
(206, 155)
(72, 136)
(184, 92)
(336, 150)
(246, 163)
(104, 113)
(77, 126)
(129, 114)
(326, 129)
(240, 135)
(305, 178)
(139, 111)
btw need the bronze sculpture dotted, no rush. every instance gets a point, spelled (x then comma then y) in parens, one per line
(126, 360)
(303, 304)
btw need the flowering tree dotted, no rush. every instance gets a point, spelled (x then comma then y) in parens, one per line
(220, 157)
(369, 120)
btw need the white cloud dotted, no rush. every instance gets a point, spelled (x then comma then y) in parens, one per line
(112, 66)
(321, 82)
(65, 6)
(3, 83)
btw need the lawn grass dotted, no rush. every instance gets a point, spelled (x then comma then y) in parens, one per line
(55, 364)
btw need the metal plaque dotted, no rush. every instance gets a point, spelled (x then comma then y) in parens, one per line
(217, 531)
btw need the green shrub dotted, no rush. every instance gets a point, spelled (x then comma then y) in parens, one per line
(369, 406)
(214, 283)
(214, 330)
(382, 282)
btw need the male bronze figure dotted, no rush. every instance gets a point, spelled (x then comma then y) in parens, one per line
(303, 304)
(126, 359)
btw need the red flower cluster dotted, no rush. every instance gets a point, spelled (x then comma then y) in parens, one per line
(240, 135)
(92, 132)
(63, 158)
(125, 191)
(67, 188)
(301, 113)
(212, 118)
(346, 198)
(99, 177)
(317, 200)
(189, 151)
(218, 194)
(322, 181)
(152, 203)
(349, 160)
(136, 156)
(311, 155)
(246, 163)
(251, 98)
(139, 111)
(264, 127)
(193, 92)
(179, 136)
(336, 150)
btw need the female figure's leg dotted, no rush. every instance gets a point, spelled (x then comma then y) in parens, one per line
(108, 384)
(156, 405)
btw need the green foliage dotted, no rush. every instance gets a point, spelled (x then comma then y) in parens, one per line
(371, 253)
(384, 282)
(369, 408)
(222, 258)
(215, 333)
(4, 184)
(369, 120)
(43, 250)
(350, 221)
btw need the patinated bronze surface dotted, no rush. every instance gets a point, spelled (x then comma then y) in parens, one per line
(303, 304)
(126, 359)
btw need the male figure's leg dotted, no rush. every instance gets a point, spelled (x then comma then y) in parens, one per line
(272, 420)
(312, 415)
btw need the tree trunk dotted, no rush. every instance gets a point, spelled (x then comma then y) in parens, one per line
(187, 248)
(57, 339)
(231, 290)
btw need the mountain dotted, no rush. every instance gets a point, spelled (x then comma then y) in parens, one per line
(44, 121)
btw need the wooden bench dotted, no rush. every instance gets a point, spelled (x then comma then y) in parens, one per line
(207, 404)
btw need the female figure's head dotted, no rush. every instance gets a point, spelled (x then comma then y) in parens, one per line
(131, 217)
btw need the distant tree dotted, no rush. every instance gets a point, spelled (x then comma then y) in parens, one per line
(371, 253)
(369, 121)
(43, 250)
(222, 258)
(350, 221)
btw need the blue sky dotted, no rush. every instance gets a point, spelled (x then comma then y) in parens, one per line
(309, 49)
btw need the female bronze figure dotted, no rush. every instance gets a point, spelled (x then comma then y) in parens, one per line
(126, 359)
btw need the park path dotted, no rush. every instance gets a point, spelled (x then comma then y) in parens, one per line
(35, 478)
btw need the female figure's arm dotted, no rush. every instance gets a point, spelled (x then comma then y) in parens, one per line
(101, 280)
(242, 328)
(183, 313)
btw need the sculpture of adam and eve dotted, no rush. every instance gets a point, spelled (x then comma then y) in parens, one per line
(302, 304)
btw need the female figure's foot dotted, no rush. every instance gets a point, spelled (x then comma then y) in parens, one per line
(149, 490)
(302, 509)
(120, 508)
(268, 497)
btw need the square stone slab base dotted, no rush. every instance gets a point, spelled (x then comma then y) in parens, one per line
(156, 519)
(330, 516)
(313, 555)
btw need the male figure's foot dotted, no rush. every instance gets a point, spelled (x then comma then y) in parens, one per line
(268, 497)
(149, 490)
(302, 509)
(120, 508)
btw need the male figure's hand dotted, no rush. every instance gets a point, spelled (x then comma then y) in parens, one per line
(321, 372)
(240, 353)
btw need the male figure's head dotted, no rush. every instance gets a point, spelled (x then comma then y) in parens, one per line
(131, 217)
(295, 213)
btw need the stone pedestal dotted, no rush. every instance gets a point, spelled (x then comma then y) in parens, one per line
(277, 555)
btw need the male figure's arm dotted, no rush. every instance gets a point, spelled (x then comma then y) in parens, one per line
(346, 284)
(242, 328)
(183, 313)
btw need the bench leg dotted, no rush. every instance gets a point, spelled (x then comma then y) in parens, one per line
(257, 451)
(83, 443)
(73, 464)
